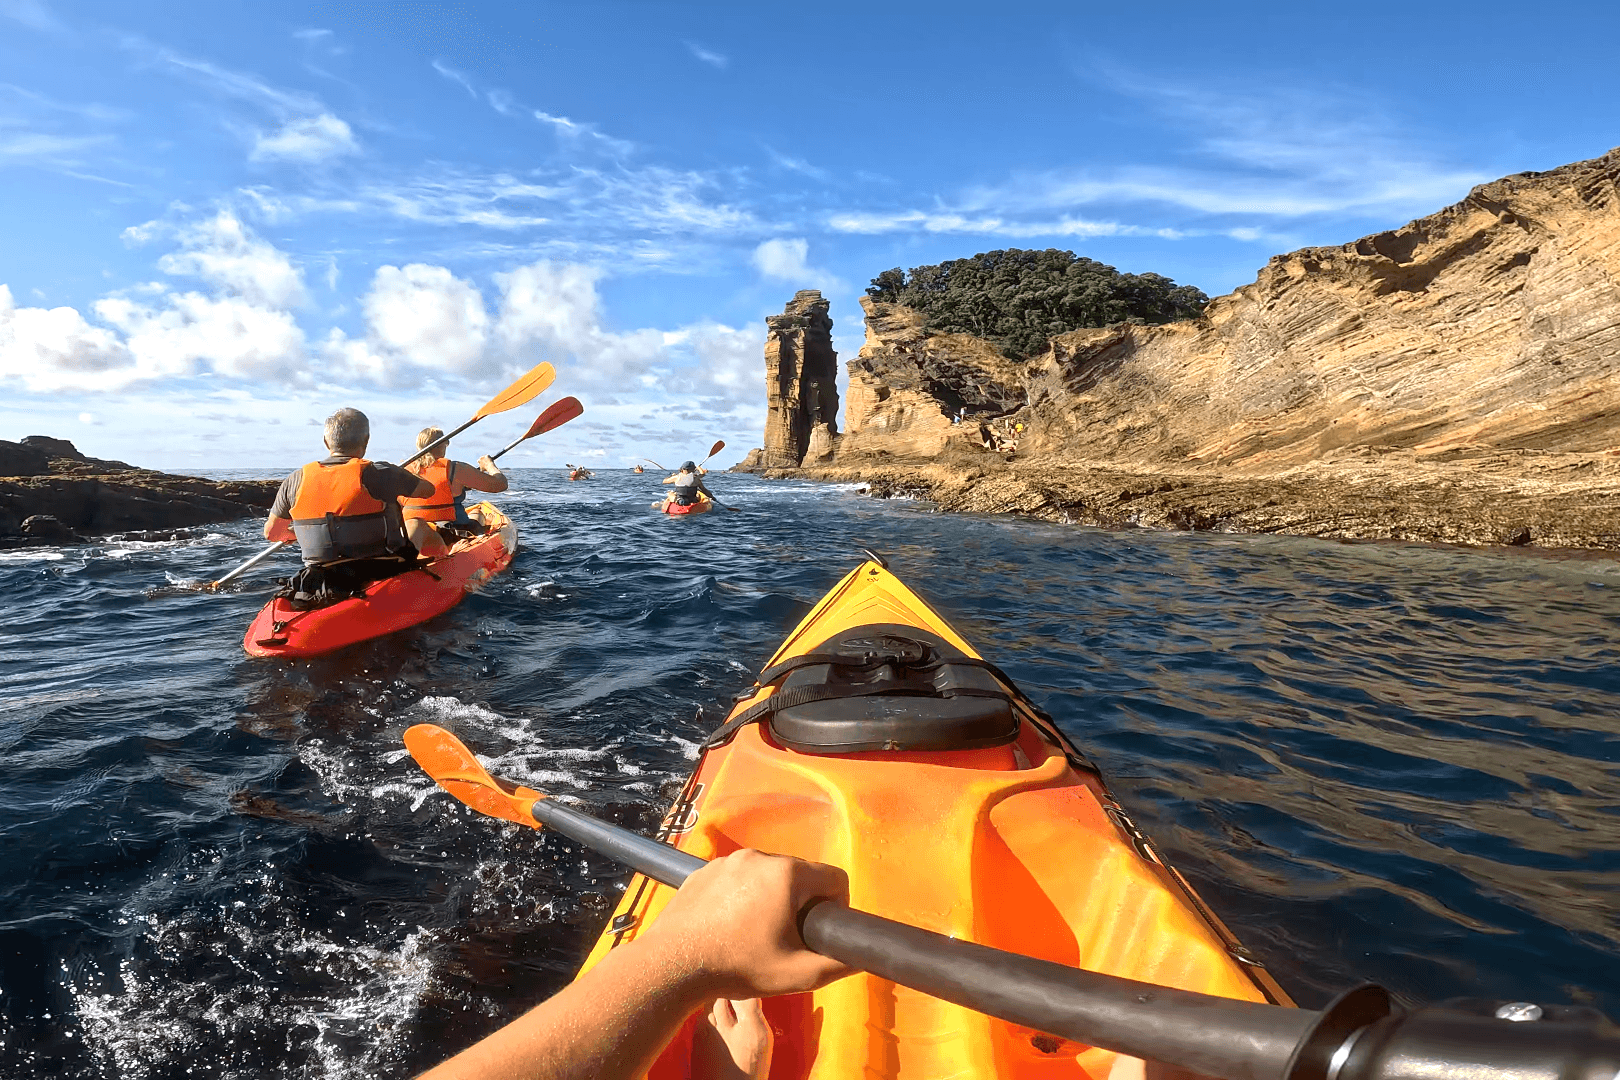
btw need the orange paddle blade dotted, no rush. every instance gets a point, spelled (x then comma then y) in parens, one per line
(716, 448)
(520, 392)
(454, 768)
(557, 415)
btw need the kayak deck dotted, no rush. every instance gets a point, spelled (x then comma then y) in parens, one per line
(1018, 846)
(391, 604)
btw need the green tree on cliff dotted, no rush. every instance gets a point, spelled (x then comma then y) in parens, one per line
(1020, 299)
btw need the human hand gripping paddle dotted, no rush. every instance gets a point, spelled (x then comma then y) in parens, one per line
(527, 387)
(1359, 1036)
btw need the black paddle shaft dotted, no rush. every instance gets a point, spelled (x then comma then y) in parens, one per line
(1358, 1037)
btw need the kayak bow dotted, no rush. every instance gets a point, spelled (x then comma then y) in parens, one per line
(967, 814)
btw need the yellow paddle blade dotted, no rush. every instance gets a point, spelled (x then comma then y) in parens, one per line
(454, 768)
(521, 392)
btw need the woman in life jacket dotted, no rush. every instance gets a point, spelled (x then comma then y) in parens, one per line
(344, 508)
(429, 520)
(688, 482)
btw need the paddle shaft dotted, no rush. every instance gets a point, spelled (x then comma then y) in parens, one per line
(1219, 1037)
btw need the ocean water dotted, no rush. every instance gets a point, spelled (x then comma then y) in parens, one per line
(1377, 762)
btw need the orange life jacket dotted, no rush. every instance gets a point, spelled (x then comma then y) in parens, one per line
(439, 506)
(335, 518)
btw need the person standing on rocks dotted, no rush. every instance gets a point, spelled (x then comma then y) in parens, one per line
(344, 507)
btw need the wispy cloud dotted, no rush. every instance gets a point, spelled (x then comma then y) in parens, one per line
(31, 13)
(456, 77)
(233, 83)
(947, 222)
(797, 165)
(39, 148)
(708, 56)
(308, 139)
(1252, 163)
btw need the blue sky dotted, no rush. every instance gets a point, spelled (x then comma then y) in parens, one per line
(221, 222)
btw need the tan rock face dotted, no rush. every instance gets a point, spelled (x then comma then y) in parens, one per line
(1493, 324)
(915, 394)
(801, 383)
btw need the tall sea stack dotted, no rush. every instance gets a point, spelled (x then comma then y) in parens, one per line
(801, 384)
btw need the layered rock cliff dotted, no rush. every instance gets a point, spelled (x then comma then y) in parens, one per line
(1477, 346)
(801, 384)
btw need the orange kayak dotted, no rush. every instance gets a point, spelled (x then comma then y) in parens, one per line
(954, 805)
(702, 506)
(392, 603)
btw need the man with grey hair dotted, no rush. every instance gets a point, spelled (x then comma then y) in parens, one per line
(344, 507)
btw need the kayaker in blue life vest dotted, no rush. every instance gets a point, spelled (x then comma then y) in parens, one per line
(451, 481)
(345, 507)
(688, 481)
(729, 937)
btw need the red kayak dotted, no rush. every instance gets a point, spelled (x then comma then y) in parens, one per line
(702, 506)
(391, 604)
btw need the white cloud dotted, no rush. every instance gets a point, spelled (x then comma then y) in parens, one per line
(428, 317)
(242, 331)
(553, 310)
(708, 56)
(313, 138)
(787, 260)
(234, 337)
(55, 349)
(227, 255)
(88, 418)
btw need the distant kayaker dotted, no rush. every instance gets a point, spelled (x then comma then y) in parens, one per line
(688, 481)
(451, 481)
(729, 937)
(345, 507)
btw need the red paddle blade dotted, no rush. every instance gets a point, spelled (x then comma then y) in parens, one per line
(716, 448)
(556, 416)
(445, 758)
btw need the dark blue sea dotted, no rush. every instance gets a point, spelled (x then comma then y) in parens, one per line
(1377, 762)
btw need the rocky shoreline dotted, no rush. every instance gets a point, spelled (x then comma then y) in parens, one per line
(1557, 501)
(52, 494)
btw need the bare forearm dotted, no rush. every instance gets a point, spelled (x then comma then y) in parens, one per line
(276, 528)
(610, 1023)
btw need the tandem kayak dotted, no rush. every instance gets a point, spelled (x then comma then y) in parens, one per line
(877, 740)
(703, 505)
(390, 604)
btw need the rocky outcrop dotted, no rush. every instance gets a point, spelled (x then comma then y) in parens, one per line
(1475, 351)
(915, 394)
(73, 497)
(801, 384)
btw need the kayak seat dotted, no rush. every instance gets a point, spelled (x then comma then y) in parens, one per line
(885, 686)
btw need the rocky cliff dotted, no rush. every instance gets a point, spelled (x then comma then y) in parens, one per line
(50, 494)
(801, 385)
(1477, 346)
